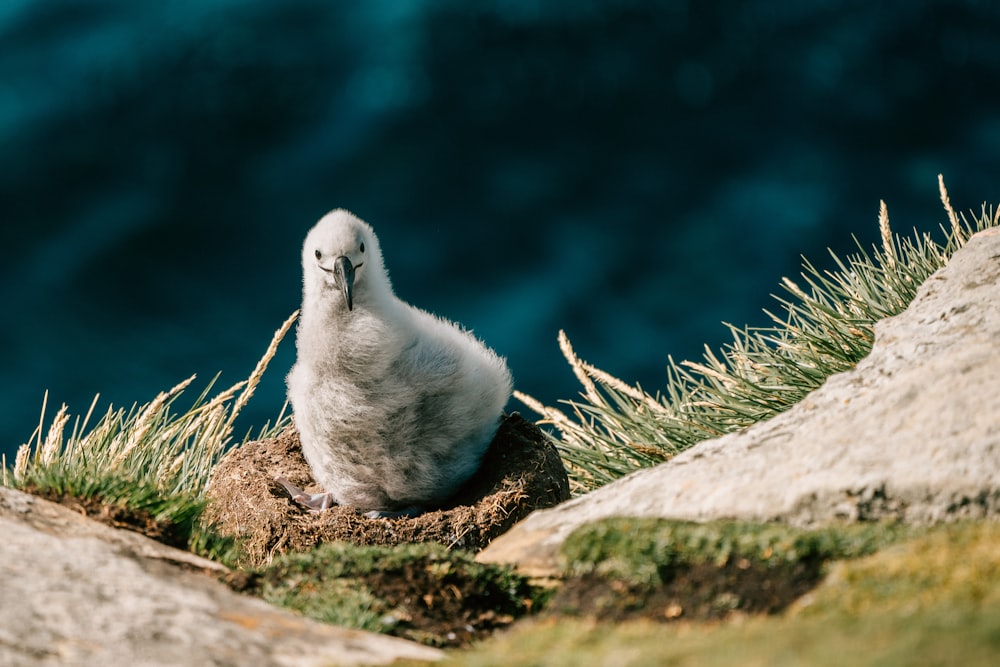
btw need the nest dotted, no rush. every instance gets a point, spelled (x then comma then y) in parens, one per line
(521, 472)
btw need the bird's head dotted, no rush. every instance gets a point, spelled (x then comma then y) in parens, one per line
(341, 253)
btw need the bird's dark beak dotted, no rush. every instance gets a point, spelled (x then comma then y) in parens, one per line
(343, 271)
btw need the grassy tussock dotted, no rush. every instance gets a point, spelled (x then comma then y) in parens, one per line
(152, 459)
(825, 325)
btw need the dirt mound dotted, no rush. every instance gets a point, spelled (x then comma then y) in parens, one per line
(521, 472)
(421, 592)
(693, 592)
(118, 515)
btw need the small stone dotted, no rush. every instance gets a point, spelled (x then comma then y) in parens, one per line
(673, 611)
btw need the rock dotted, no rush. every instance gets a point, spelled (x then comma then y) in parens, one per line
(76, 592)
(520, 473)
(912, 433)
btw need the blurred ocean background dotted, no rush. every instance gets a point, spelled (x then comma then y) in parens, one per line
(634, 172)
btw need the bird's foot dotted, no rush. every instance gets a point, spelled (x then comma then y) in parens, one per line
(315, 502)
(408, 512)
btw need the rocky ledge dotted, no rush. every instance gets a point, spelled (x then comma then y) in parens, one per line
(76, 592)
(912, 433)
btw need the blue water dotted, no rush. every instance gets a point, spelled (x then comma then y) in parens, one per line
(633, 172)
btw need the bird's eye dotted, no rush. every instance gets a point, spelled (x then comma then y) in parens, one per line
(319, 255)
(362, 246)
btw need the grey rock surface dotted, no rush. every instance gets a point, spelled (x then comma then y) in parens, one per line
(75, 592)
(913, 432)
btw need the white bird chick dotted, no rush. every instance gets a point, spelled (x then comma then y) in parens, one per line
(395, 407)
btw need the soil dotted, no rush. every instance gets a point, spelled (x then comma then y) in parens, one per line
(696, 592)
(452, 612)
(520, 473)
(461, 607)
(448, 607)
(118, 516)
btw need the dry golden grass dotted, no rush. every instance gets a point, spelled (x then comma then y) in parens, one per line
(826, 326)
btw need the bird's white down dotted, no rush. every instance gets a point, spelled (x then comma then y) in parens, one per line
(395, 407)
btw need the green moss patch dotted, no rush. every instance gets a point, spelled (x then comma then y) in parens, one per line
(678, 570)
(931, 598)
(135, 509)
(647, 551)
(418, 591)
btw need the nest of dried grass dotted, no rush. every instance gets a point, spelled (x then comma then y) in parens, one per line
(521, 472)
